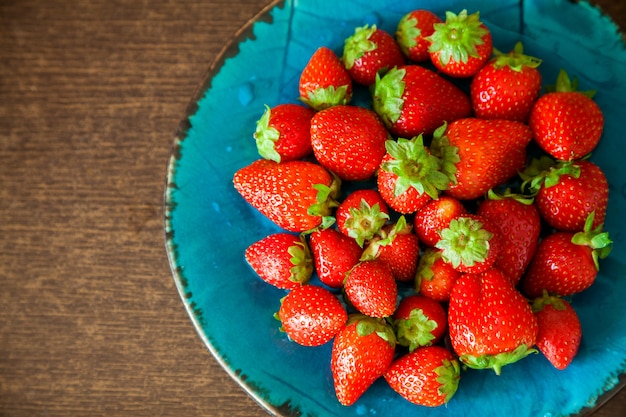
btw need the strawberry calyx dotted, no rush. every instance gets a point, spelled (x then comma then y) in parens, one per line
(464, 242)
(546, 299)
(365, 222)
(448, 376)
(415, 167)
(424, 267)
(546, 172)
(456, 39)
(324, 97)
(266, 137)
(302, 262)
(416, 330)
(599, 241)
(508, 194)
(498, 360)
(565, 84)
(515, 59)
(357, 44)
(385, 238)
(366, 325)
(326, 201)
(448, 154)
(387, 96)
(407, 33)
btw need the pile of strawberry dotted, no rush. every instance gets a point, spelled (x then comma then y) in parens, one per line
(449, 223)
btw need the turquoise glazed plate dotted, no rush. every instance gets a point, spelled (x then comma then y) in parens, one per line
(208, 225)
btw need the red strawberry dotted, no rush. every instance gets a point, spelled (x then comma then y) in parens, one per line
(349, 141)
(520, 226)
(507, 86)
(491, 324)
(428, 376)
(362, 215)
(412, 100)
(435, 216)
(419, 321)
(412, 31)
(567, 263)
(471, 243)
(488, 153)
(371, 288)
(567, 192)
(560, 331)
(370, 51)
(283, 133)
(296, 195)
(435, 277)
(334, 255)
(566, 123)
(461, 45)
(311, 315)
(325, 82)
(398, 247)
(281, 259)
(361, 354)
(409, 176)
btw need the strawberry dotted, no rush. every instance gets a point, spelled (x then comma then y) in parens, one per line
(567, 192)
(560, 331)
(435, 277)
(324, 81)
(362, 351)
(488, 153)
(419, 321)
(334, 254)
(349, 141)
(371, 288)
(519, 223)
(461, 45)
(566, 123)
(507, 86)
(370, 51)
(412, 100)
(471, 243)
(281, 259)
(567, 263)
(283, 133)
(491, 324)
(435, 216)
(409, 175)
(362, 215)
(412, 31)
(296, 195)
(398, 247)
(311, 315)
(428, 376)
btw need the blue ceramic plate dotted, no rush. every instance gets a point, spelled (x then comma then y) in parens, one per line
(208, 225)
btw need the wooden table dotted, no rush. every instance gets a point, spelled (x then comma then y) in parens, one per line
(91, 93)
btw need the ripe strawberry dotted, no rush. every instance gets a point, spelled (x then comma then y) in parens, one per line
(491, 324)
(566, 123)
(324, 81)
(428, 376)
(435, 216)
(412, 100)
(311, 315)
(507, 86)
(362, 215)
(371, 288)
(349, 141)
(412, 31)
(435, 277)
(567, 263)
(398, 247)
(471, 243)
(368, 52)
(409, 175)
(281, 259)
(334, 254)
(296, 195)
(567, 192)
(489, 152)
(362, 351)
(419, 321)
(560, 331)
(520, 226)
(461, 45)
(283, 133)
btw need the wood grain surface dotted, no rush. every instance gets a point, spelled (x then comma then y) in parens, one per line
(91, 93)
